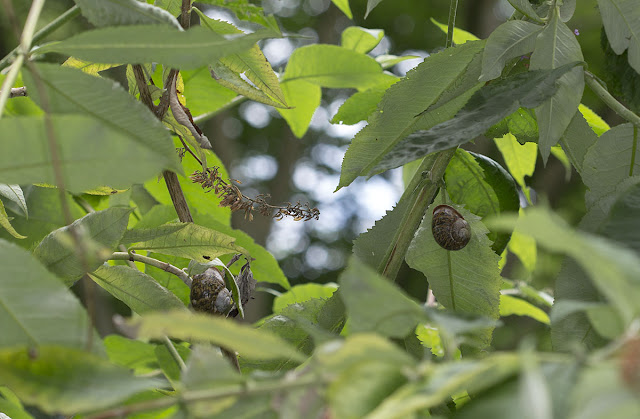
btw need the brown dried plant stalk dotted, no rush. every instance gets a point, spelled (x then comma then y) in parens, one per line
(233, 198)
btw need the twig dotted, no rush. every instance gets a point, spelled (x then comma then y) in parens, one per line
(167, 267)
(453, 7)
(174, 353)
(143, 88)
(609, 100)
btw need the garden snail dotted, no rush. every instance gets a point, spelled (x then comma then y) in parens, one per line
(449, 228)
(209, 294)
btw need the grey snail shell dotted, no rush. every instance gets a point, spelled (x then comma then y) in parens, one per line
(450, 230)
(209, 293)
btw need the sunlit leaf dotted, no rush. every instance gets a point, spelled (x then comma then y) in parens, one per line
(515, 306)
(361, 39)
(460, 36)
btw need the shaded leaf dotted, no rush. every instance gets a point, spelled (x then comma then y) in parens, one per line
(37, 308)
(66, 380)
(136, 289)
(621, 19)
(124, 12)
(524, 7)
(15, 194)
(193, 326)
(185, 240)
(144, 44)
(58, 253)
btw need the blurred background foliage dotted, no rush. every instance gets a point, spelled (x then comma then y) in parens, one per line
(259, 150)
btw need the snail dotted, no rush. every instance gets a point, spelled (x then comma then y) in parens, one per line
(209, 293)
(450, 230)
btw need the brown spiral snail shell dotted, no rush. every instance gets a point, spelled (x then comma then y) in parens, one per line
(209, 293)
(450, 230)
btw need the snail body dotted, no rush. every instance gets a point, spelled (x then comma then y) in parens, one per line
(209, 293)
(450, 230)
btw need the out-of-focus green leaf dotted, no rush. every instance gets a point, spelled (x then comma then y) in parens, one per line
(200, 327)
(374, 304)
(65, 380)
(371, 4)
(621, 19)
(185, 240)
(460, 36)
(171, 6)
(301, 293)
(524, 247)
(133, 354)
(455, 286)
(136, 289)
(147, 43)
(37, 308)
(247, 11)
(124, 12)
(397, 113)
(557, 46)
(5, 223)
(104, 228)
(483, 187)
(512, 39)
(387, 61)
(515, 306)
(486, 107)
(361, 39)
(343, 5)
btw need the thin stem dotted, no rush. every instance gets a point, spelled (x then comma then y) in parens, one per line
(5, 90)
(208, 394)
(609, 100)
(174, 353)
(51, 27)
(453, 7)
(167, 267)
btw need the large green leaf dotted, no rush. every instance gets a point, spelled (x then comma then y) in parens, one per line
(136, 289)
(249, 342)
(124, 12)
(609, 161)
(65, 380)
(265, 267)
(556, 47)
(485, 108)
(512, 39)
(204, 93)
(483, 187)
(376, 305)
(36, 308)
(71, 91)
(333, 66)
(621, 19)
(58, 250)
(454, 284)
(519, 158)
(185, 240)
(613, 269)
(89, 151)
(303, 98)
(400, 111)
(148, 43)
(361, 39)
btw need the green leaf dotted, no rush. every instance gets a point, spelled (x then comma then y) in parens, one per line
(397, 112)
(207, 368)
(68, 381)
(622, 80)
(206, 95)
(460, 36)
(486, 107)
(132, 354)
(343, 5)
(333, 66)
(136, 289)
(303, 98)
(147, 43)
(37, 309)
(512, 39)
(185, 240)
(374, 304)
(519, 158)
(58, 252)
(614, 270)
(14, 194)
(359, 106)
(86, 66)
(90, 148)
(361, 39)
(174, 7)
(124, 12)
(370, 5)
(524, 7)
(609, 161)
(252, 63)
(454, 285)
(387, 61)
(5, 222)
(247, 341)
(124, 115)
(524, 247)
(576, 141)
(622, 223)
(302, 293)
(621, 19)
(232, 81)
(247, 11)
(11, 406)
(483, 187)
(168, 280)
(515, 306)
(557, 46)
(597, 124)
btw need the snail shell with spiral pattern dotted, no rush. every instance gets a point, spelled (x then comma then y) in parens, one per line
(450, 230)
